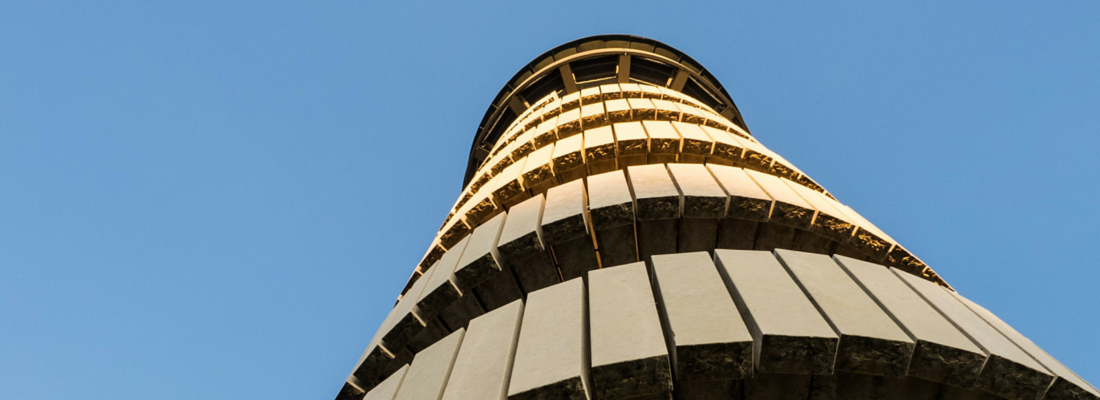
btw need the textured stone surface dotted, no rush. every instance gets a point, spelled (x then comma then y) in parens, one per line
(789, 335)
(599, 143)
(870, 341)
(942, 354)
(829, 221)
(1067, 385)
(428, 374)
(564, 217)
(709, 340)
(655, 194)
(551, 358)
(484, 362)
(521, 247)
(703, 196)
(461, 311)
(789, 208)
(697, 145)
(568, 159)
(629, 357)
(664, 142)
(480, 259)
(746, 199)
(609, 200)
(1009, 372)
(631, 142)
(440, 290)
(612, 209)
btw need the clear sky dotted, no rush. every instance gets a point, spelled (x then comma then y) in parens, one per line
(204, 201)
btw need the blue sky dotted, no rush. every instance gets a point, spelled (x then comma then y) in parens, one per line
(210, 200)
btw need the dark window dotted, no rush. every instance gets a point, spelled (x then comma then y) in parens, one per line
(506, 119)
(595, 68)
(650, 71)
(549, 83)
(696, 91)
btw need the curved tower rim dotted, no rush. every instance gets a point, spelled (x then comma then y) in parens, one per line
(681, 70)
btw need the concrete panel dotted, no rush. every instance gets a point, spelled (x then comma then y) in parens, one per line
(521, 247)
(564, 217)
(611, 91)
(538, 174)
(829, 221)
(790, 209)
(565, 229)
(727, 150)
(703, 196)
(618, 110)
(568, 160)
(666, 110)
(569, 123)
(664, 141)
(388, 388)
(943, 353)
(612, 210)
(868, 238)
(746, 199)
(509, 188)
(599, 150)
(551, 358)
(629, 357)
(480, 259)
(439, 289)
(789, 335)
(481, 206)
(593, 116)
(697, 145)
(428, 374)
(484, 362)
(642, 109)
(707, 335)
(609, 200)
(704, 203)
(655, 193)
(870, 341)
(1009, 372)
(1067, 385)
(631, 143)
(546, 132)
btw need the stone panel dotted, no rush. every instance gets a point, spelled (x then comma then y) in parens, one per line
(428, 374)
(708, 338)
(484, 362)
(629, 357)
(870, 341)
(789, 335)
(551, 358)
(943, 353)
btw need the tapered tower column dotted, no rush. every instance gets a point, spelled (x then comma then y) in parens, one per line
(622, 234)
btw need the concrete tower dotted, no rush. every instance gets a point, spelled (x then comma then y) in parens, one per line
(621, 234)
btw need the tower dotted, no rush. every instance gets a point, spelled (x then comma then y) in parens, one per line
(621, 234)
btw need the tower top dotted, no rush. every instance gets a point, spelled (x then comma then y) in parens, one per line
(593, 61)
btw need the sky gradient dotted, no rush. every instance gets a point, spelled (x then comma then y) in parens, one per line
(222, 201)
